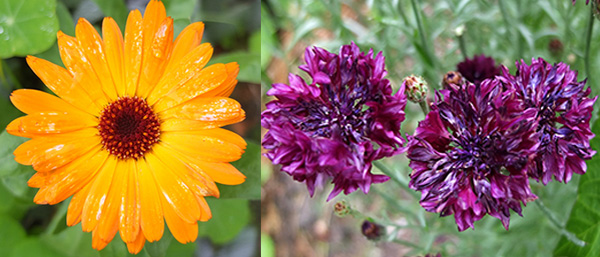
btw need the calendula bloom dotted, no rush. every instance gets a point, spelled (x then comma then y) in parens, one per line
(469, 156)
(478, 69)
(336, 126)
(134, 131)
(563, 110)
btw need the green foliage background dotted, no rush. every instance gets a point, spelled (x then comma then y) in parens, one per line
(507, 30)
(29, 28)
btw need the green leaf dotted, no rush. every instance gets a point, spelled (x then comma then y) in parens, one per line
(8, 165)
(180, 9)
(67, 26)
(11, 233)
(72, 242)
(249, 165)
(33, 247)
(249, 64)
(584, 220)
(16, 183)
(159, 248)
(181, 250)
(27, 27)
(115, 9)
(254, 43)
(267, 37)
(267, 247)
(229, 217)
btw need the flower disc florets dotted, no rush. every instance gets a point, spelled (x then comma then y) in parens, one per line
(469, 156)
(563, 111)
(128, 127)
(336, 126)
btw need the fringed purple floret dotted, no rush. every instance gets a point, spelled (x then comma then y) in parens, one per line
(469, 156)
(335, 127)
(478, 69)
(563, 110)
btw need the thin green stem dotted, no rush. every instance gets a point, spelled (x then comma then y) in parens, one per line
(396, 178)
(402, 13)
(588, 41)
(424, 43)
(406, 243)
(424, 106)
(570, 236)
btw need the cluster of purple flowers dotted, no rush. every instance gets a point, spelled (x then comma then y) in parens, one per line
(336, 126)
(473, 153)
(476, 149)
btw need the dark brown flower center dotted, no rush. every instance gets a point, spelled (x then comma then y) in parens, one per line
(128, 127)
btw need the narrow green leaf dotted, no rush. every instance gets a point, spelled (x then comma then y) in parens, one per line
(27, 27)
(249, 165)
(267, 247)
(230, 216)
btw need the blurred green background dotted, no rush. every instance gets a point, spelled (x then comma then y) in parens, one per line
(29, 28)
(294, 224)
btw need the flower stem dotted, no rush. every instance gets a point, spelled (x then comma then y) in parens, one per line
(570, 236)
(588, 41)
(461, 44)
(424, 44)
(424, 106)
(396, 177)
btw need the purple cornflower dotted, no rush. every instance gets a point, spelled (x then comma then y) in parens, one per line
(469, 155)
(563, 111)
(335, 127)
(478, 69)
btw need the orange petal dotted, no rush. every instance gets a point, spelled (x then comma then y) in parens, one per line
(151, 214)
(206, 213)
(129, 214)
(223, 173)
(92, 210)
(226, 88)
(136, 246)
(133, 51)
(176, 191)
(182, 72)
(187, 125)
(76, 205)
(62, 83)
(84, 77)
(110, 217)
(35, 101)
(154, 15)
(198, 181)
(36, 125)
(156, 56)
(93, 49)
(69, 179)
(189, 38)
(182, 230)
(48, 153)
(211, 148)
(113, 46)
(209, 109)
(97, 242)
(204, 81)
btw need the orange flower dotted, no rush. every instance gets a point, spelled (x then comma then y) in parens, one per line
(134, 133)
